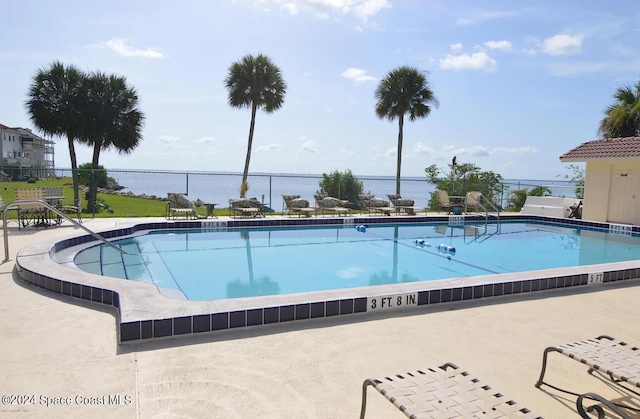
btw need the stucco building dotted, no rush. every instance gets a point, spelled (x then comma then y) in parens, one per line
(25, 154)
(612, 179)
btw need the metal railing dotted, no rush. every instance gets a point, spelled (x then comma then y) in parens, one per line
(479, 202)
(268, 188)
(55, 210)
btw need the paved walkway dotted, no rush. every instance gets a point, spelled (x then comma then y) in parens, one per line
(63, 351)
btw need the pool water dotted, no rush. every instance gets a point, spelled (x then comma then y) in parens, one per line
(232, 263)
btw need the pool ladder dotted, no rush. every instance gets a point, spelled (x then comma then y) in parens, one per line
(486, 205)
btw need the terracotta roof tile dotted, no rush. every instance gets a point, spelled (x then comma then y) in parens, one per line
(604, 149)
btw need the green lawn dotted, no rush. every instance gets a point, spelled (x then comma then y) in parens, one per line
(122, 206)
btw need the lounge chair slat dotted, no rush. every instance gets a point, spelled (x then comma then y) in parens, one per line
(444, 392)
(613, 357)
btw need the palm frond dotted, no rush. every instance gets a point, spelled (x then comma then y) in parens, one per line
(404, 91)
(255, 80)
(622, 118)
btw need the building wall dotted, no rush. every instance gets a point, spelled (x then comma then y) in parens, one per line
(11, 146)
(612, 191)
(596, 191)
(22, 153)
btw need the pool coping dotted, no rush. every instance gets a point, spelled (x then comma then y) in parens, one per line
(144, 314)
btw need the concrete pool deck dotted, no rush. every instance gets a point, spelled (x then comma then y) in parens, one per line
(56, 346)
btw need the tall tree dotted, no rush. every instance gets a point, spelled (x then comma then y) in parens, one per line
(111, 118)
(622, 118)
(254, 82)
(404, 91)
(54, 107)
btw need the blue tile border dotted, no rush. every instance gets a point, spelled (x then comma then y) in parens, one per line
(150, 329)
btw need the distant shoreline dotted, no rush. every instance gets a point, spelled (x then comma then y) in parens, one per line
(302, 175)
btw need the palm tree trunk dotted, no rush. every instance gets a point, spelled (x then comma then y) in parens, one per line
(400, 126)
(74, 170)
(93, 187)
(245, 173)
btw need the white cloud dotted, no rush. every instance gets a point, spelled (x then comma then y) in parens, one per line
(501, 45)
(476, 150)
(350, 272)
(456, 48)
(290, 8)
(480, 17)
(476, 61)
(368, 8)
(172, 142)
(562, 44)
(206, 140)
(325, 9)
(448, 150)
(170, 139)
(514, 150)
(308, 147)
(270, 148)
(357, 75)
(423, 149)
(120, 47)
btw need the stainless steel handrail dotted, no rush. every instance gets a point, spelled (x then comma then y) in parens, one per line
(54, 209)
(486, 211)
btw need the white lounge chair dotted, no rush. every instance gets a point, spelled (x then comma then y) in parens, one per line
(293, 204)
(444, 391)
(617, 359)
(179, 205)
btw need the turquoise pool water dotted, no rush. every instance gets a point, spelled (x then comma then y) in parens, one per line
(232, 263)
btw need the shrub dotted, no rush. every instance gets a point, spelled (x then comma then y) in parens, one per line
(463, 178)
(86, 175)
(576, 176)
(518, 197)
(342, 186)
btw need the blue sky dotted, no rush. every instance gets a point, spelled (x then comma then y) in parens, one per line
(519, 83)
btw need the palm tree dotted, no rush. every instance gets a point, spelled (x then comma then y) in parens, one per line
(111, 119)
(254, 82)
(54, 107)
(403, 91)
(622, 118)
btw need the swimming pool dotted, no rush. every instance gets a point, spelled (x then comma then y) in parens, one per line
(145, 312)
(236, 263)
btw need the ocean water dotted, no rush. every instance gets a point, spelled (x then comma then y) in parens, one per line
(269, 187)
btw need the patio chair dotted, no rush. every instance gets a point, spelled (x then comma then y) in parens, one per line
(617, 359)
(404, 205)
(472, 201)
(53, 195)
(179, 205)
(375, 205)
(31, 213)
(293, 204)
(331, 205)
(76, 208)
(445, 391)
(444, 203)
(246, 207)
